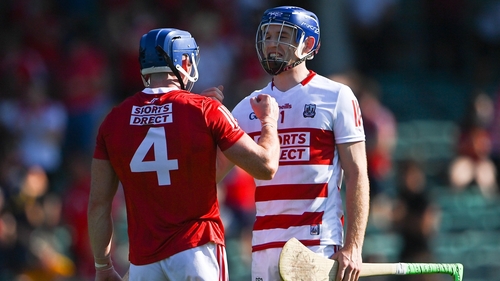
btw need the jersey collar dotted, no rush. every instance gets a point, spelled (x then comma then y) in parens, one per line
(303, 82)
(153, 91)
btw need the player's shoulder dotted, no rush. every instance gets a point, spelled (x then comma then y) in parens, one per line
(325, 83)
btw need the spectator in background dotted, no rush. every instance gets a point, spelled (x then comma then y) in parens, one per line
(416, 217)
(124, 34)
(217, 48)
(76, 193)
(494, 132)
(35, 118)
(39, 235)
(473, 165)
(85, 92)
(380, 128)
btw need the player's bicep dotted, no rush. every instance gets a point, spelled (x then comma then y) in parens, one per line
(348, 121)
(353, 158)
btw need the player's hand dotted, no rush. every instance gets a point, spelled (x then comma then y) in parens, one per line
(214, 93)
(350, 263)
(108, 274)
(265, 108)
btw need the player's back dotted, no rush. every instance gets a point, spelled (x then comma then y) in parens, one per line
(163, 149)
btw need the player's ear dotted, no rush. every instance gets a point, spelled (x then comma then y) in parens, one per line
(308, 44)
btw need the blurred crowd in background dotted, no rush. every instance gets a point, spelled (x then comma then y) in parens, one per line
(426, 73)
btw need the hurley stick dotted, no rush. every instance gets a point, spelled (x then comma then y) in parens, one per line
(298, 263)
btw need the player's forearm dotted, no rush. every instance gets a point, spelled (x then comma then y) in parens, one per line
(100, 226)
(357, 210)
(269, 140)
(102, 191)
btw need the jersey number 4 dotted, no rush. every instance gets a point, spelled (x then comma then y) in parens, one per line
(155, 138)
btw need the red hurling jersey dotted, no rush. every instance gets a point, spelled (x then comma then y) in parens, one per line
(162, 145)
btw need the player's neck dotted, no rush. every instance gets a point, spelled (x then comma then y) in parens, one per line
(290, 78)
(164, 81)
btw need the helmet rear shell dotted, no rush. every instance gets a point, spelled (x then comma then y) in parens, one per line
(174, 42)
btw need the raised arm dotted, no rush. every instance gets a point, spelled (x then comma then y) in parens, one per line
(260, 159)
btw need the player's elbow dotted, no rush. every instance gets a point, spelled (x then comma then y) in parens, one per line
(267, 172)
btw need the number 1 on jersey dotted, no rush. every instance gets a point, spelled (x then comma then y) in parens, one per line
(161, 164)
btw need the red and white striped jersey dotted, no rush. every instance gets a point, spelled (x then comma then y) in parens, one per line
(303, 200)
(162, 145)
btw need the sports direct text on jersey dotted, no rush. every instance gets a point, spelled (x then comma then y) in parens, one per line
(151, 114)
(295, 146)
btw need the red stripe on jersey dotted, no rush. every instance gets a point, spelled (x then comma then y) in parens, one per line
(357, 113)
(309, 77)
(291, 192)
(282, 243)
(221, 258)
(286, 221)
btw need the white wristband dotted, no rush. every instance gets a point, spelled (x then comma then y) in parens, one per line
(267, 124)
(100, 265)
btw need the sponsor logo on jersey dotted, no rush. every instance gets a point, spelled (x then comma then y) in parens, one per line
(285, 106)
(151, 114)
(152, 101)
(295, 146)
(309, 111)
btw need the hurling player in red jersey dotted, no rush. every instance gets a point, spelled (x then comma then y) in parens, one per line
(161, 145)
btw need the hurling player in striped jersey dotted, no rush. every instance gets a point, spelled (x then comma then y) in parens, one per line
(322, 144)
(160, 145)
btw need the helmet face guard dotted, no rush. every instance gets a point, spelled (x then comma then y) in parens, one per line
(165, 50)
(278, 52)
(281, 35)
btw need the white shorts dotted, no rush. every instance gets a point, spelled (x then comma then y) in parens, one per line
(206, 262)
(265, 262)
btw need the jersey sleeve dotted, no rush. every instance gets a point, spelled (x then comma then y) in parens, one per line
(348, 124)
(225, 127)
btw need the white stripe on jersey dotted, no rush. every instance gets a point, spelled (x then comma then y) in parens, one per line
(229, 116)
(292, 174)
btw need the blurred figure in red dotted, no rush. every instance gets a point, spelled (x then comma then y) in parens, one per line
(473, 165)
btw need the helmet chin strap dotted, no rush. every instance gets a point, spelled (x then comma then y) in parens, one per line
(171, 65)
